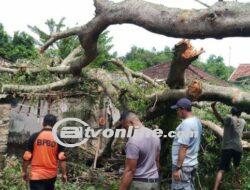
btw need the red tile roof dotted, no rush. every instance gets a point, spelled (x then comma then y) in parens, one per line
(160, 71)
(243, 70)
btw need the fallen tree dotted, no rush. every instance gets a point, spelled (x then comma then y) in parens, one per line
(223, 19)
(217, 21)
(227, 95)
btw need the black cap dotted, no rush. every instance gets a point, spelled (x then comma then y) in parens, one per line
(182, 103)
(235, 111)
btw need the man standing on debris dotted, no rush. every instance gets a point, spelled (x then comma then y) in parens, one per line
(185, 146)
(231, 142)
(142, 156)
(44, 155)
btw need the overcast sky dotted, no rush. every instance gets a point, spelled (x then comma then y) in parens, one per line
(16, 15)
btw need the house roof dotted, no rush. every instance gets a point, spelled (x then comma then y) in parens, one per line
(243, 70)
(160, 71)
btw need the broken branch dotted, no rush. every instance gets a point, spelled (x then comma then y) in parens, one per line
(10, 88)
(228, 95)
(130, 73)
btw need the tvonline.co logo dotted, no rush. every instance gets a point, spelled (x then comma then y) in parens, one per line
(73, 132)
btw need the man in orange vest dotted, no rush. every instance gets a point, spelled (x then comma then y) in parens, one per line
(44, 155)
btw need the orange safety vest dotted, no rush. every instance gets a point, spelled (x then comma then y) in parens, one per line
(44, 153)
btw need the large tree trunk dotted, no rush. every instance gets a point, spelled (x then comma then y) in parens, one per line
(223, 19)
(227, 95)
(184, 55)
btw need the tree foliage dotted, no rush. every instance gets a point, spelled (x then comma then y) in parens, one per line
(20, 46)
(215, 66)
(140, 58)
(62, 48)
(105, 45)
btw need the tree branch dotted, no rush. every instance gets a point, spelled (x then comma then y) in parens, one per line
(72, 56)
(202, 3)
(104, 80)
(10, 88)
(228, 95)
(58, 69)
(8, 70)
(130, 73)
(218, 21)
(60, 35)
(126, 70)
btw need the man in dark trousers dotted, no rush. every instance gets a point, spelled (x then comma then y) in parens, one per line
(142, 156)
(43, 155)
(231, 142)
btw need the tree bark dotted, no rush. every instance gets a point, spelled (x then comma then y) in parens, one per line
(202, 3)
(184, 55)
(130, 73)
(223, 19)
(228, 95)
(57, 70)
(10, 88)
